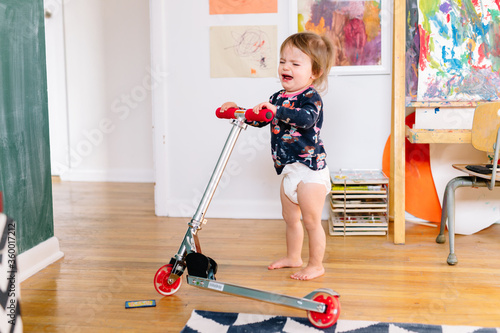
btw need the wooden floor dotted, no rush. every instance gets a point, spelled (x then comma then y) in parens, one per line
(113, 245)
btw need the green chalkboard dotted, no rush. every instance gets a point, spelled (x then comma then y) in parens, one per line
(25, 178)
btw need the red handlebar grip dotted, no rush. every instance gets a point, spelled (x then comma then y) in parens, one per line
(264, 115)
(228, 114)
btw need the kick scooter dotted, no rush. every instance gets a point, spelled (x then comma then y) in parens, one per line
(322, 305)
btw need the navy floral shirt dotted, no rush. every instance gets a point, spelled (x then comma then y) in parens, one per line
(295, 129)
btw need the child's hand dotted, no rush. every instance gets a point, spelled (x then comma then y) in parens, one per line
(228, 105)
(265, 105)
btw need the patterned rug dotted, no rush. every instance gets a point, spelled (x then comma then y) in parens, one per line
(221, 322)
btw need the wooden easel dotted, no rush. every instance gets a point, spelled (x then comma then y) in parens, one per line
(397, 176)
(399, 132)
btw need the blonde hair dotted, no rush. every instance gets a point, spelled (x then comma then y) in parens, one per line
(319, 49)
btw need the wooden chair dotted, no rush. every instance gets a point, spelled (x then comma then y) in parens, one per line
(485, 137)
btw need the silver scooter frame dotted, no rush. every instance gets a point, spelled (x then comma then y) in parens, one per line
(190, 243)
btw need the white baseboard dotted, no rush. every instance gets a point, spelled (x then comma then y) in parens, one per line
(233, 209)
(38, 257)
(116, 175)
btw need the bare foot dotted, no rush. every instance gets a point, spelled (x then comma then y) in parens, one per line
(285, 262)
(308, 273)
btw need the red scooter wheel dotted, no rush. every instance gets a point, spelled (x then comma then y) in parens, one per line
(332, 313)
(161, 284)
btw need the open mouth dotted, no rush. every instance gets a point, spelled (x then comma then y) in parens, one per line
(285, 77)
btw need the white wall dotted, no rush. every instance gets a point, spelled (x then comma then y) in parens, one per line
(114, 81)
(189, 138)
(109, 90)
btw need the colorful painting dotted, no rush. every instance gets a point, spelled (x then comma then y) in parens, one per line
(243, 51)
(459, 50)
(243, 6)
(412, 50)
(354, 27)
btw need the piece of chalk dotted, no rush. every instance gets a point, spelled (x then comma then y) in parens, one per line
(140, 304)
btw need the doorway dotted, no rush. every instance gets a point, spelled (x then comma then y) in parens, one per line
(56, 85)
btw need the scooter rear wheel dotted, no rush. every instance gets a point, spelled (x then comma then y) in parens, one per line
(332, 313)
(161, 281)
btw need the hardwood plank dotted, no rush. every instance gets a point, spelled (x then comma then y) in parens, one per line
(114, 244)
(415, 135)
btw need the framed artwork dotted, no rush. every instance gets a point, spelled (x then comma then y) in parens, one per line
(359, 31)
(243, 51)
(459, 50)
(218, 7)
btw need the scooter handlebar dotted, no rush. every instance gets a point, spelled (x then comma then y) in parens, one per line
(228, 114)
(264, 115)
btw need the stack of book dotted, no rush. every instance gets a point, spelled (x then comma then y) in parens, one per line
(359, 203)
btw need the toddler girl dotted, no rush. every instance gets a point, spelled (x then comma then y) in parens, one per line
(297, 150)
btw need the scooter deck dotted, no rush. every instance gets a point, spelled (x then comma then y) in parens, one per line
(295, 302)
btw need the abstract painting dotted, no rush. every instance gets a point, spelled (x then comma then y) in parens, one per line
(459, 50)
(355, 28)
(412, 50)
(243, 51)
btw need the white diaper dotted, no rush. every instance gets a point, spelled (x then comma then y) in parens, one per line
(297, 172)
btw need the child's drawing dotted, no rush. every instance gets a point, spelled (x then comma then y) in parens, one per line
(243, 51)
(459, 50)
(243, 6)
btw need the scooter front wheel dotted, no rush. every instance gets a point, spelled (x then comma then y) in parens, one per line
(332, 313)
(161, 281)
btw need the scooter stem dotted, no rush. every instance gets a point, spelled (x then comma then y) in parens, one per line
(190, 242)
(199, 215)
